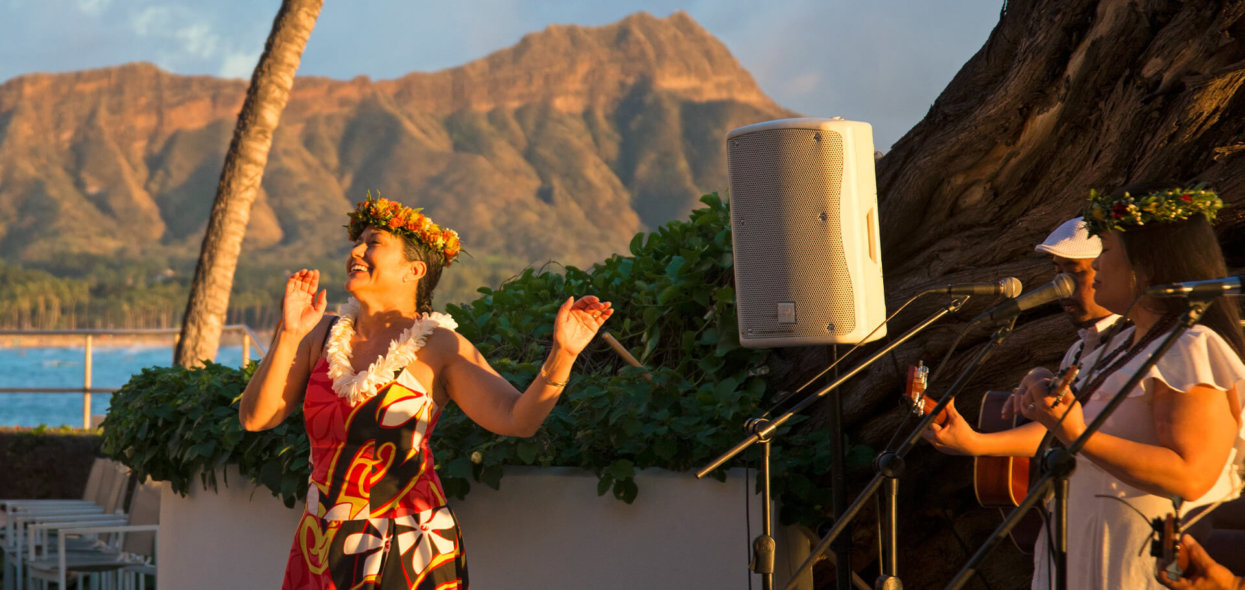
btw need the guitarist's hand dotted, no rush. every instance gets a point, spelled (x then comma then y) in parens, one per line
(1036, 377)
(1063, 418)
(1200, 571)
(954, 435)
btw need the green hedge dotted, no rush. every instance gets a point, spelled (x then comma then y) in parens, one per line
(675, 310)
(174, 424)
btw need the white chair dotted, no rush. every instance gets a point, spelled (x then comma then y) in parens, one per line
(120, 548)
(93, 482)
(136, 558)
(101, 504)
(106, 487)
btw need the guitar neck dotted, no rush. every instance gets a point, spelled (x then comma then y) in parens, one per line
(927, 405)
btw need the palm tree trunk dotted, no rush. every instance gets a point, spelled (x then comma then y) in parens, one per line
(240, 180)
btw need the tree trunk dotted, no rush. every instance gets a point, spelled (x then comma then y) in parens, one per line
(240, 180)
(1065, 96)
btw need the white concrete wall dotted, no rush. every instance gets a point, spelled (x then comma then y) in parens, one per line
(544, 529)
(238, 537)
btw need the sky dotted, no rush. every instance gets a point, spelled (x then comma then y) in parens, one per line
(879, 61)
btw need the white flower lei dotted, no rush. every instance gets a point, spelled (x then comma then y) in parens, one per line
(360, 387)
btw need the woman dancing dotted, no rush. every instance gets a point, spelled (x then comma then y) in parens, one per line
(1178, 434)
(372, 383)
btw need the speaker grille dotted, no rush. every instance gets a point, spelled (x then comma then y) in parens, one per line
(786, 187)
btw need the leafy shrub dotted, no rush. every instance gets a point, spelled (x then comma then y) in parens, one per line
(173, 423)
(675, 310)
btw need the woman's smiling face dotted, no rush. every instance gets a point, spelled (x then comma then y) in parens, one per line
(377, 263)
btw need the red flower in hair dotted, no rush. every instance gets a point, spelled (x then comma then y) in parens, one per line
(1186, 198)
(1119, 210)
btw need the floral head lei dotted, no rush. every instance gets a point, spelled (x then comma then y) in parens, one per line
(396, 218)
(1105, 213)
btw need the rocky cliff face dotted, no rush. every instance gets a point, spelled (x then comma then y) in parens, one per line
(1065, 96)
(563, 146)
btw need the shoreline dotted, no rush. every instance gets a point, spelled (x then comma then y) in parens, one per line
(12, 341)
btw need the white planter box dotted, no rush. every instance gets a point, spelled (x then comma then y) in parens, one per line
(544, 529)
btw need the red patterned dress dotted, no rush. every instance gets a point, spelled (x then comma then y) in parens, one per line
(376, 515)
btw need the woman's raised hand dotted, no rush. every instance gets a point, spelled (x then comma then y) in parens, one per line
(577, 322)
(302, 307)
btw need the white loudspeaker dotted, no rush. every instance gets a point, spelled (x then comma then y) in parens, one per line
(804, 220)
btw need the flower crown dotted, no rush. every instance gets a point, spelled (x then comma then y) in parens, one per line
(1105, 213)
(399, 219)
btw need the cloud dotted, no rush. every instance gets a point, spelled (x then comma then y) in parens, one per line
(184, 39)
(93, 7)
(151, 20)
(198, 40)
(238, 65)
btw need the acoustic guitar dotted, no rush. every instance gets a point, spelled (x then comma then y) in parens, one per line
(1003, 482)
(1000, 481)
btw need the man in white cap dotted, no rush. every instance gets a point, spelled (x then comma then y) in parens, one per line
(1074, 251)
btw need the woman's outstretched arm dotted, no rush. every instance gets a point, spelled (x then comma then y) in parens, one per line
(493, 403)
(276, 388)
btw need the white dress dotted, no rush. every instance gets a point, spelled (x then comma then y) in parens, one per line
(1108, 542)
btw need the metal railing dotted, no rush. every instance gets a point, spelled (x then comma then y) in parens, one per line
(248, 339)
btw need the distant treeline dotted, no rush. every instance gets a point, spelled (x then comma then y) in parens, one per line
(90, 292)
(114, 295)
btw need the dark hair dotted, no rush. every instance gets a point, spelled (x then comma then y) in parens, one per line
(415, 250)
(1179, 252)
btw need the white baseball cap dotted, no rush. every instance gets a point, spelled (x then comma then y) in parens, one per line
(1071, 240)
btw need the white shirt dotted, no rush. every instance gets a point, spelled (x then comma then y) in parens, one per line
(1090, 339)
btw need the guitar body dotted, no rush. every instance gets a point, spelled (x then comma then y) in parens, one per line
(999, 481)
(1003, 482)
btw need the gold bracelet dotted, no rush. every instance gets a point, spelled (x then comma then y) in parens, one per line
(548, 379)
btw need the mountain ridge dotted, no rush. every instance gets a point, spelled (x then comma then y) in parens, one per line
(562, 146)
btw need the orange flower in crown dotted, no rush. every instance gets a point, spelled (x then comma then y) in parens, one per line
(399, 219)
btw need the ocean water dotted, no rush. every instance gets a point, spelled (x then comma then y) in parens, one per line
(63, 367)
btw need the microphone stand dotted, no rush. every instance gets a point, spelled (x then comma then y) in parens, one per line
(890, 466)
(761, 431)
(1059, 463)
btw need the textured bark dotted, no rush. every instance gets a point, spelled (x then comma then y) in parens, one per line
(240, 180)
(1066, 95)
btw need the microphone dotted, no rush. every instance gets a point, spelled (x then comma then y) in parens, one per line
(1209, 288)
(1060, 288)
(1008, 287)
